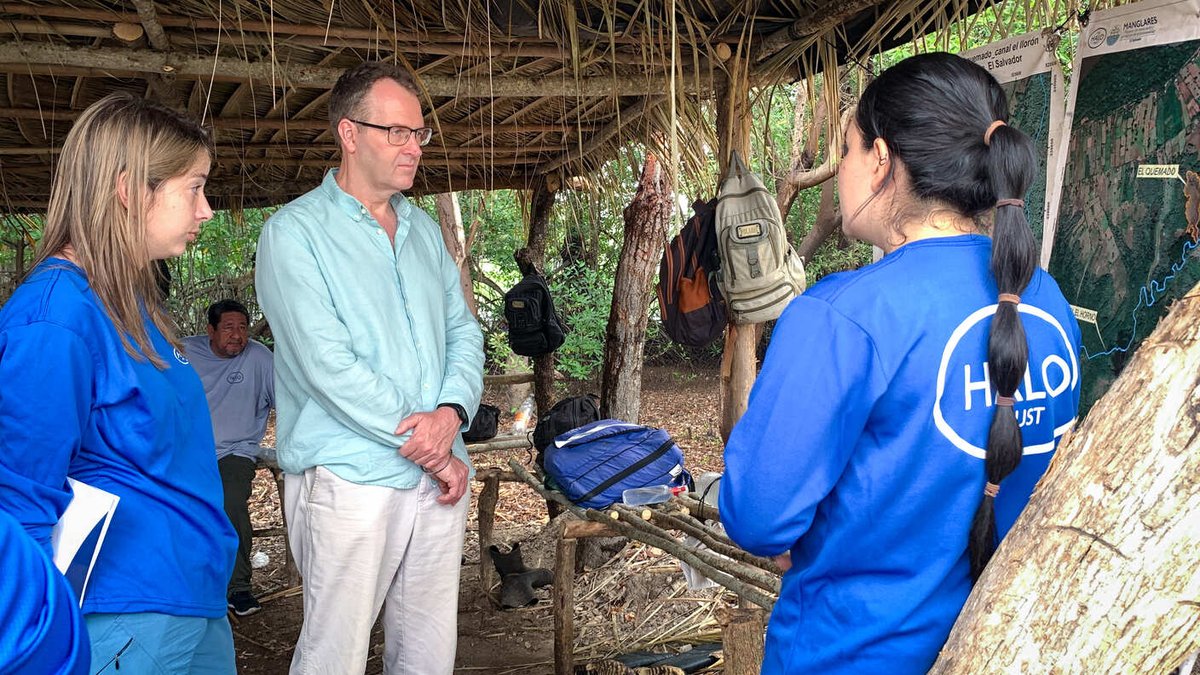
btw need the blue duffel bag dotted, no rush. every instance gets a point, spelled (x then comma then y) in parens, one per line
(594, 464)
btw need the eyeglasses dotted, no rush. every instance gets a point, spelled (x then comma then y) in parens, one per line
(399, 135)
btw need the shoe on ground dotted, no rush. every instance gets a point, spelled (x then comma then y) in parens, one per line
(243, 603)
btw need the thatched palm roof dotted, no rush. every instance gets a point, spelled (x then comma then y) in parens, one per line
(515, 88)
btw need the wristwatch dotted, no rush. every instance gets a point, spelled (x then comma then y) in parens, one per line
(458, 409)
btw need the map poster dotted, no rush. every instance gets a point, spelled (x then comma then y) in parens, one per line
(1025, 66)
(1125, 236)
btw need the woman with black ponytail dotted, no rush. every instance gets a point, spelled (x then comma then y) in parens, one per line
(905, 410)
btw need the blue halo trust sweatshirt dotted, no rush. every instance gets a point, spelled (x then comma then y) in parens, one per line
(861, 451)
(74, 402)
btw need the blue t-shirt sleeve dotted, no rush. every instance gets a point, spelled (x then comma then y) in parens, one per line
(42, 631)
(46, 376)
(818, 384)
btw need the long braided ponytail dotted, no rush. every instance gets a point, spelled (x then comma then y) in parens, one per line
(945, 117)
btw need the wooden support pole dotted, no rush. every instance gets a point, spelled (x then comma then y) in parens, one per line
(533, 256)
(647, 218)
(487, 520)
(289, 565)
(742, 639)
(453, 236)
(221, 124)
(563, 595)
(820, 19)
(738, 362)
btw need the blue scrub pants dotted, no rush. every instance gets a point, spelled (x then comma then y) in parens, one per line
(160, 643)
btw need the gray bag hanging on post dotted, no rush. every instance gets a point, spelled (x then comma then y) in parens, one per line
(760, 271)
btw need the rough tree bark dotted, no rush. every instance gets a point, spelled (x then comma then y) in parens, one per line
(646, 221)
(742, 635)
(1099, 574)
(450, 218)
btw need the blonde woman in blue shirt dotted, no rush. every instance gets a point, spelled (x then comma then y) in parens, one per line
(94, 385)
(377, 362)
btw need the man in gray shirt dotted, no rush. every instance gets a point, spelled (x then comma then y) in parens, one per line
(239, 383)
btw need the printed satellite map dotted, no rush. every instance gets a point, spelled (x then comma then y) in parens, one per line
(1125, 243)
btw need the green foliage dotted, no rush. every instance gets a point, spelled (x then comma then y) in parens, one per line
(582, 295)
(219, 265)
(19, 235)
(1128, 80)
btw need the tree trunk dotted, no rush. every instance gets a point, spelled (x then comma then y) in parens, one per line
(534, 256)
(450, 217)
(804, 147)
(742, 638)
(828, 221)
(646, 221)
(738, 361)
(1099, 574)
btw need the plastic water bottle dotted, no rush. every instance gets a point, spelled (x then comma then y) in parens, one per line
(521, 419)
(259, 560)
(651, 494)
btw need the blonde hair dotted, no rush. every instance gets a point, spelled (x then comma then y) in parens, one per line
(146, 143)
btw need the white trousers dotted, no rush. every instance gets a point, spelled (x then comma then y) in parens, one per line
(361, 548)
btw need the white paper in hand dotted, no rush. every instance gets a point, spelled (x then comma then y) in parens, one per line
(80, 532)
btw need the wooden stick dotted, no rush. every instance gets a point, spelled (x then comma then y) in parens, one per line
(550, 496)
(709, 539)
(735, 584)
(698, 509)
(583, 529)
(107, 61)
(487, 520)
(660, 539)
(710, 559)
(499, 443)
(482, 475)
(563, 595)
(507, 378)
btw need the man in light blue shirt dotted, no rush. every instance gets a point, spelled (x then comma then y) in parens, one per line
(378, 361)
(239, 384)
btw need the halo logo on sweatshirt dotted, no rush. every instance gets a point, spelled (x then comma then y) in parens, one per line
(965, 390)
(180, 357)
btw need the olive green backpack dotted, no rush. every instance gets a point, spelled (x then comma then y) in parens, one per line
(760, 271)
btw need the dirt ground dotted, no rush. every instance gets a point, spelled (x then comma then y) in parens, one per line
(628, 598)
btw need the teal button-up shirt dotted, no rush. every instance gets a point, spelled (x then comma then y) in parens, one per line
(366, 333)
